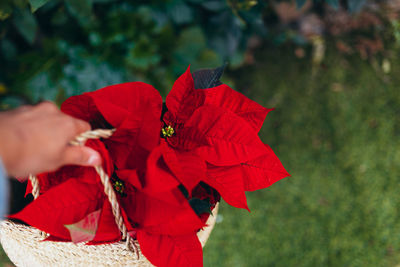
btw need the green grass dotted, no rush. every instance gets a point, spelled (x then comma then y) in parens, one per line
(336, 129)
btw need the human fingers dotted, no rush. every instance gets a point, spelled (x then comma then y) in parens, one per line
(46, 107)
(80, 155)
(68, 127)
(80, 126)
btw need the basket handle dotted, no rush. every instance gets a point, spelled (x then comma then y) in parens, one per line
(105, 180)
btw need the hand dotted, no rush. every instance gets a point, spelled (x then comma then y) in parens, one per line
(35, 139)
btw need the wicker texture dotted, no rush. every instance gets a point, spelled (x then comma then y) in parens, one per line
(25, 248)
(23, 244)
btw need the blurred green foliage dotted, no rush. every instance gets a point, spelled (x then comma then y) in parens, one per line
(52, 49)
(72, 46)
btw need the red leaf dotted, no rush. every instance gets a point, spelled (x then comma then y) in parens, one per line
(228, 181)
(225, 97)
(158, 176)
(66, 203)
(107, 163)
(125, 150)
(133, 108)
(171, 251)
(83, 107)
(187, 138)
(147, 210)
(130, 176)
(85, 229)
(183, 99)
(115, 102)
(187, 167)
(263, 171)
(107, 230)
(49, 180)
(184, 222)
(230, 139)
(118, 101)
(204, 191)
(130, 145)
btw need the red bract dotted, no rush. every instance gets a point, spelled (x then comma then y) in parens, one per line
(220, 126)
(181, 250)
(133, 109)
(159, 207)
(68, 196)
(163, 163)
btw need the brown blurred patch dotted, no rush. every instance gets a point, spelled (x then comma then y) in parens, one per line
(288, 11)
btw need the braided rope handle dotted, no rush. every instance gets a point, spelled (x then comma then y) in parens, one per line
(105, 180)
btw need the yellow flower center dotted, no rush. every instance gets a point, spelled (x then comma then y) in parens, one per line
(168, 131)
(119, 187)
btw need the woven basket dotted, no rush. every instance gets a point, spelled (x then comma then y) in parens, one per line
(24, 246)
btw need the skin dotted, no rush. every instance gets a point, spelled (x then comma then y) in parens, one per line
(35, 139)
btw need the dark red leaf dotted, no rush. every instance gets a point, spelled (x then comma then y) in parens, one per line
(147, 210)
(63, 204)
(118, 101)
(171, 251)
(187, 167)
(133, 108)
(183, 99)
(263, 171)
(183, 222)
(107, 230)
(228, 181)
(204, 191)
(158, 176)
(84, 108)
(130, 176)
(230, 140)
(225, 97)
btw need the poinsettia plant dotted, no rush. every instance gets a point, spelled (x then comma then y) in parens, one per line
(169, 163)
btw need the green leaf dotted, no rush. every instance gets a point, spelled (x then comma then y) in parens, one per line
(59, 18)
(81, 10)
(300, 3)
(180, 13)
(356, 5)
(85, 74)
(26, 24)
(214, 5)
(333, 3)
(5, 11)
(103, 1)
(190, 44)
(35, 4)
(41, 88)
(8, 49)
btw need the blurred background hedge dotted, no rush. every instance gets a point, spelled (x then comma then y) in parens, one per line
(329, 67)
(52, 49)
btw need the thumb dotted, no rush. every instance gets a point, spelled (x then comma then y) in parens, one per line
(81, 155)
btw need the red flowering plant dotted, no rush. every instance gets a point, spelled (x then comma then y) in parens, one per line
(168, 163)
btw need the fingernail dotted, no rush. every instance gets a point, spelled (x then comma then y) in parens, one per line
(94, 159)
